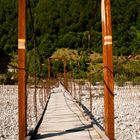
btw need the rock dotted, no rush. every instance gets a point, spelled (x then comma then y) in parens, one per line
(127, 110)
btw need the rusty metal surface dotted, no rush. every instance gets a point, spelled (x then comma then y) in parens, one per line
(65, 75)
(90, 92)
(49, 75)
(21, 70)
(108, 69)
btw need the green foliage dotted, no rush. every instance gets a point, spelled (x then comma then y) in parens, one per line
(46, 47)
(132, 69)
(70, 40)
(5, 59)
(126, 27)
(9, 78)
(129, 71)
(33, 66)
(84, 63)
(120, 79)
(136, 80)
(97, 77)
(8, 25)
(57, 67)
(64, 23)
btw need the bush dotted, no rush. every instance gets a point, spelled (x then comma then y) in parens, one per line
(8, 79)
(136, 81)
(120, 79)
(97, 77)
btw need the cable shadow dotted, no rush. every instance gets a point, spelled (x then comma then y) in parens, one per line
(66, 100)
(94, 121)
(87, 112)
(73, 130)
(32, 133)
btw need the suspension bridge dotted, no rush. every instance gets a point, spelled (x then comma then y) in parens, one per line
(63, 114)
(65, 106)
(64, 119)
(108, 83)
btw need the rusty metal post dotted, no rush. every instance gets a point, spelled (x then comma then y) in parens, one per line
(45, 93)
(49, 74)
(35, 100)
(65, 75)
(108, 69)
(90, 94)
(74, 87)
(21, 70)
(71, 84)
(46, 84)
(35, 82)
(79, 83)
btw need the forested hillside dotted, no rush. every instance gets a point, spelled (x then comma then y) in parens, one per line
(57, 24)
(65, 24)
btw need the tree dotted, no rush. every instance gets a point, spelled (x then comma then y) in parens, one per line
(5, 59)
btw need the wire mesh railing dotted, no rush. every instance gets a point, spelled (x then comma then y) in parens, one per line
(37, 94)
(89, 92)
(90, 96)
(37, 98)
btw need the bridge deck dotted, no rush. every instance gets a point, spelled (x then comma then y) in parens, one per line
(64, 121)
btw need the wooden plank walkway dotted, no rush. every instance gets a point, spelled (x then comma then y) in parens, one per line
(64, 121)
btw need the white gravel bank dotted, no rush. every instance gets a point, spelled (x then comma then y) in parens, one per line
(127, 111)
